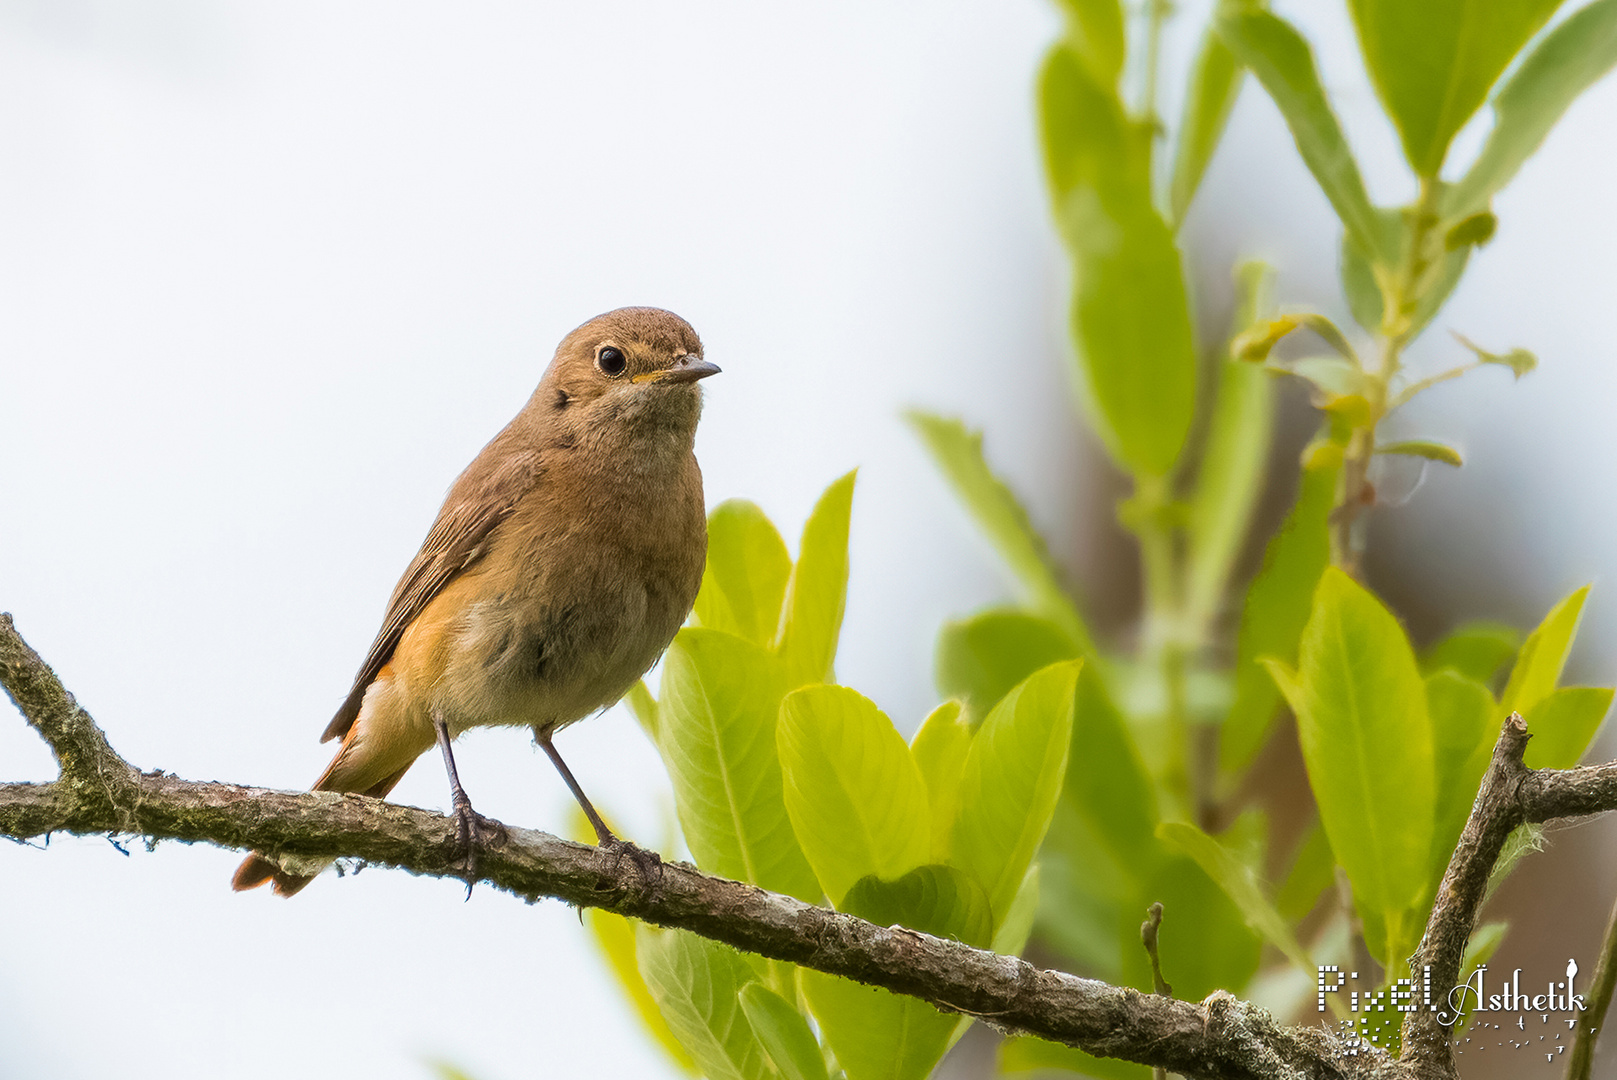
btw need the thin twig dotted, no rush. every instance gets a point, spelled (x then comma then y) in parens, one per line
(1148, 938)
(1593, 1018)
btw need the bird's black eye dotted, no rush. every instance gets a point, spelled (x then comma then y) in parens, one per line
(611, 361)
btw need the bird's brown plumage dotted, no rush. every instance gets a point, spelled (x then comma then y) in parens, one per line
(562, 562)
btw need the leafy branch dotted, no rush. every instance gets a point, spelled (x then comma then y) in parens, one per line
(1221, 1037)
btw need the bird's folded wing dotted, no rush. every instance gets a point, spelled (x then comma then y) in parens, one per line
(484, 496)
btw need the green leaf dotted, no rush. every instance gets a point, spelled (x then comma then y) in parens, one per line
(1359, 284)
(1465, 721)
(1423, 448)
(696, 984)
(1102, 849)
(784, 1033)
(1011, 781)
(938, 900)
(1255, 342)
(981, 658)
(876, 1034)
(1481, 945)
(1331, 376)
(1563, 724)
(1240, 883)
(1569, 59)
(1473, 231)
(1025, 1054)
(1313, 870)
(1433, 62)
(1367, 741)
(1130, 313)
(1476, 650)
(1519, 361)
(1543, 655)
(1010, 937)
(720, 700)
(855, 796)
(818, 589)
(643, 707)
(1215, 82)
(1277, 606)
(1095, 33)
(747, 570)
(615, 936)
(1283, 62)
(1364, 294)
(1524, 840)
(1230, 477)
(959, 454)
(939, 748)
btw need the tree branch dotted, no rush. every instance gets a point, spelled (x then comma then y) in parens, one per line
(1221, 1038)
(1511, 795)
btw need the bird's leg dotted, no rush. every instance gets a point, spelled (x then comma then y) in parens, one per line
(471, 828)
(649, 862)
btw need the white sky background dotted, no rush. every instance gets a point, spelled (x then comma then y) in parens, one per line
(270, 275)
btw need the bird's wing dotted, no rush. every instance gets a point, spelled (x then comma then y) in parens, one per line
(476, 505)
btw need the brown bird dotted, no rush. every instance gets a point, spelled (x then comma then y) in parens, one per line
(564, 559)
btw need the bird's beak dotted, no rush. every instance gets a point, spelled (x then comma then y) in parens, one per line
(687, 370)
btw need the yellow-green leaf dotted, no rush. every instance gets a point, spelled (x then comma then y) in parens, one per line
(784, 1033)
(1284, 64)
(981, 658)
(720, 703)
(856, 798)
(879, 1035)
(1095, 32)
(1215, 81)
(818, 588)
(1240, 883)
(1423, 448)
(958, 453)
(939, 748)
(1565, 63)
(615, 936)
(1011, 781)
(1465, 722)
(1563, 723)
(1543, 655)
(1229, 479)
(1366, 739)
(696, 984)
(1130, 311)
(1276, 608)
(1432, 62)
(747, 570)
(1475, 649)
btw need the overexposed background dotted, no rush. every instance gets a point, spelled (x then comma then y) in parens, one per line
(270, 275)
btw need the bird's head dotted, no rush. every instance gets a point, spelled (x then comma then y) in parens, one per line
(634, 369)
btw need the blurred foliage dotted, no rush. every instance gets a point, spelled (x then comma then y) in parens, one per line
(785, 780)
(1066, 783)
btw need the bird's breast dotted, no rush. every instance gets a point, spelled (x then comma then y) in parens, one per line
(580, 591)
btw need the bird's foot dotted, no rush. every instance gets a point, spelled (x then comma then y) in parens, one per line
(648, 862)
(472, 832)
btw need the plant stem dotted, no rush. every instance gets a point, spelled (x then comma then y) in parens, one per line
(1157, 12)
(1594, 1017)
(1401, 297)
(1163, 644)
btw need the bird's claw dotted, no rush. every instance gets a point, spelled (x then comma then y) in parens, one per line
(472, 832)
(648, 862)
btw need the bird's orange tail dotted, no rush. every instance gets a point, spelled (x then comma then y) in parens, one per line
(343, 774)
(255, 870)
